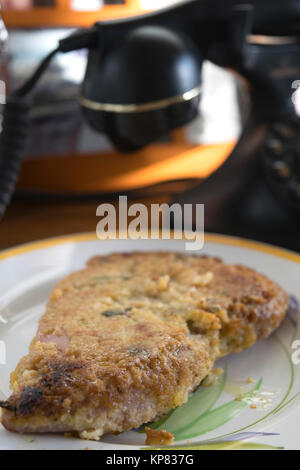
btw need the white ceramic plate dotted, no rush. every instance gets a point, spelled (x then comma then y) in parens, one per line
(265, 418)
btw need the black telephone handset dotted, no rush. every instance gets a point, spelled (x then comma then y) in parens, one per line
(143, 79)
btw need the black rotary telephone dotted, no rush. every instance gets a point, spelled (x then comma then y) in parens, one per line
(143, 79)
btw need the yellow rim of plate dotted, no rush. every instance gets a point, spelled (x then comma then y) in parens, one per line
(209, 237)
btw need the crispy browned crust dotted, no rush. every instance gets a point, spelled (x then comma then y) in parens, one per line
(128, 338)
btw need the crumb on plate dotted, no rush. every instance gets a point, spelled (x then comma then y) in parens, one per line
(157, 437)
(91, 435)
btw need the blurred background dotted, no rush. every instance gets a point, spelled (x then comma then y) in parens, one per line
(67, 166)
(59, 133)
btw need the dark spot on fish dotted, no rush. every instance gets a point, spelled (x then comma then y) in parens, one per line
(113, 313)
(180, 256)
(7, 405)
(57, 378)
(29, 398)
(61, 375)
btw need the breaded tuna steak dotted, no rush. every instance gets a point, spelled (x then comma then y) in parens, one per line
(126, 339)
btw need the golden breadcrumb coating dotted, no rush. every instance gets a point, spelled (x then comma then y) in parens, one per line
(126, 339)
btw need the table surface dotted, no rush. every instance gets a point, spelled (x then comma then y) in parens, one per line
(26, 221)
(29, 220)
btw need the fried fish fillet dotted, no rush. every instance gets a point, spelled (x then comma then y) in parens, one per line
(126, 339)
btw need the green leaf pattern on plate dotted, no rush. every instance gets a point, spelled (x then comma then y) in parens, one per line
(200, 402)
(213, 419)
(197, 416)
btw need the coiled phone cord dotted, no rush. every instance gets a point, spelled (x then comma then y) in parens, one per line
(15, 121)
(15, 124)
